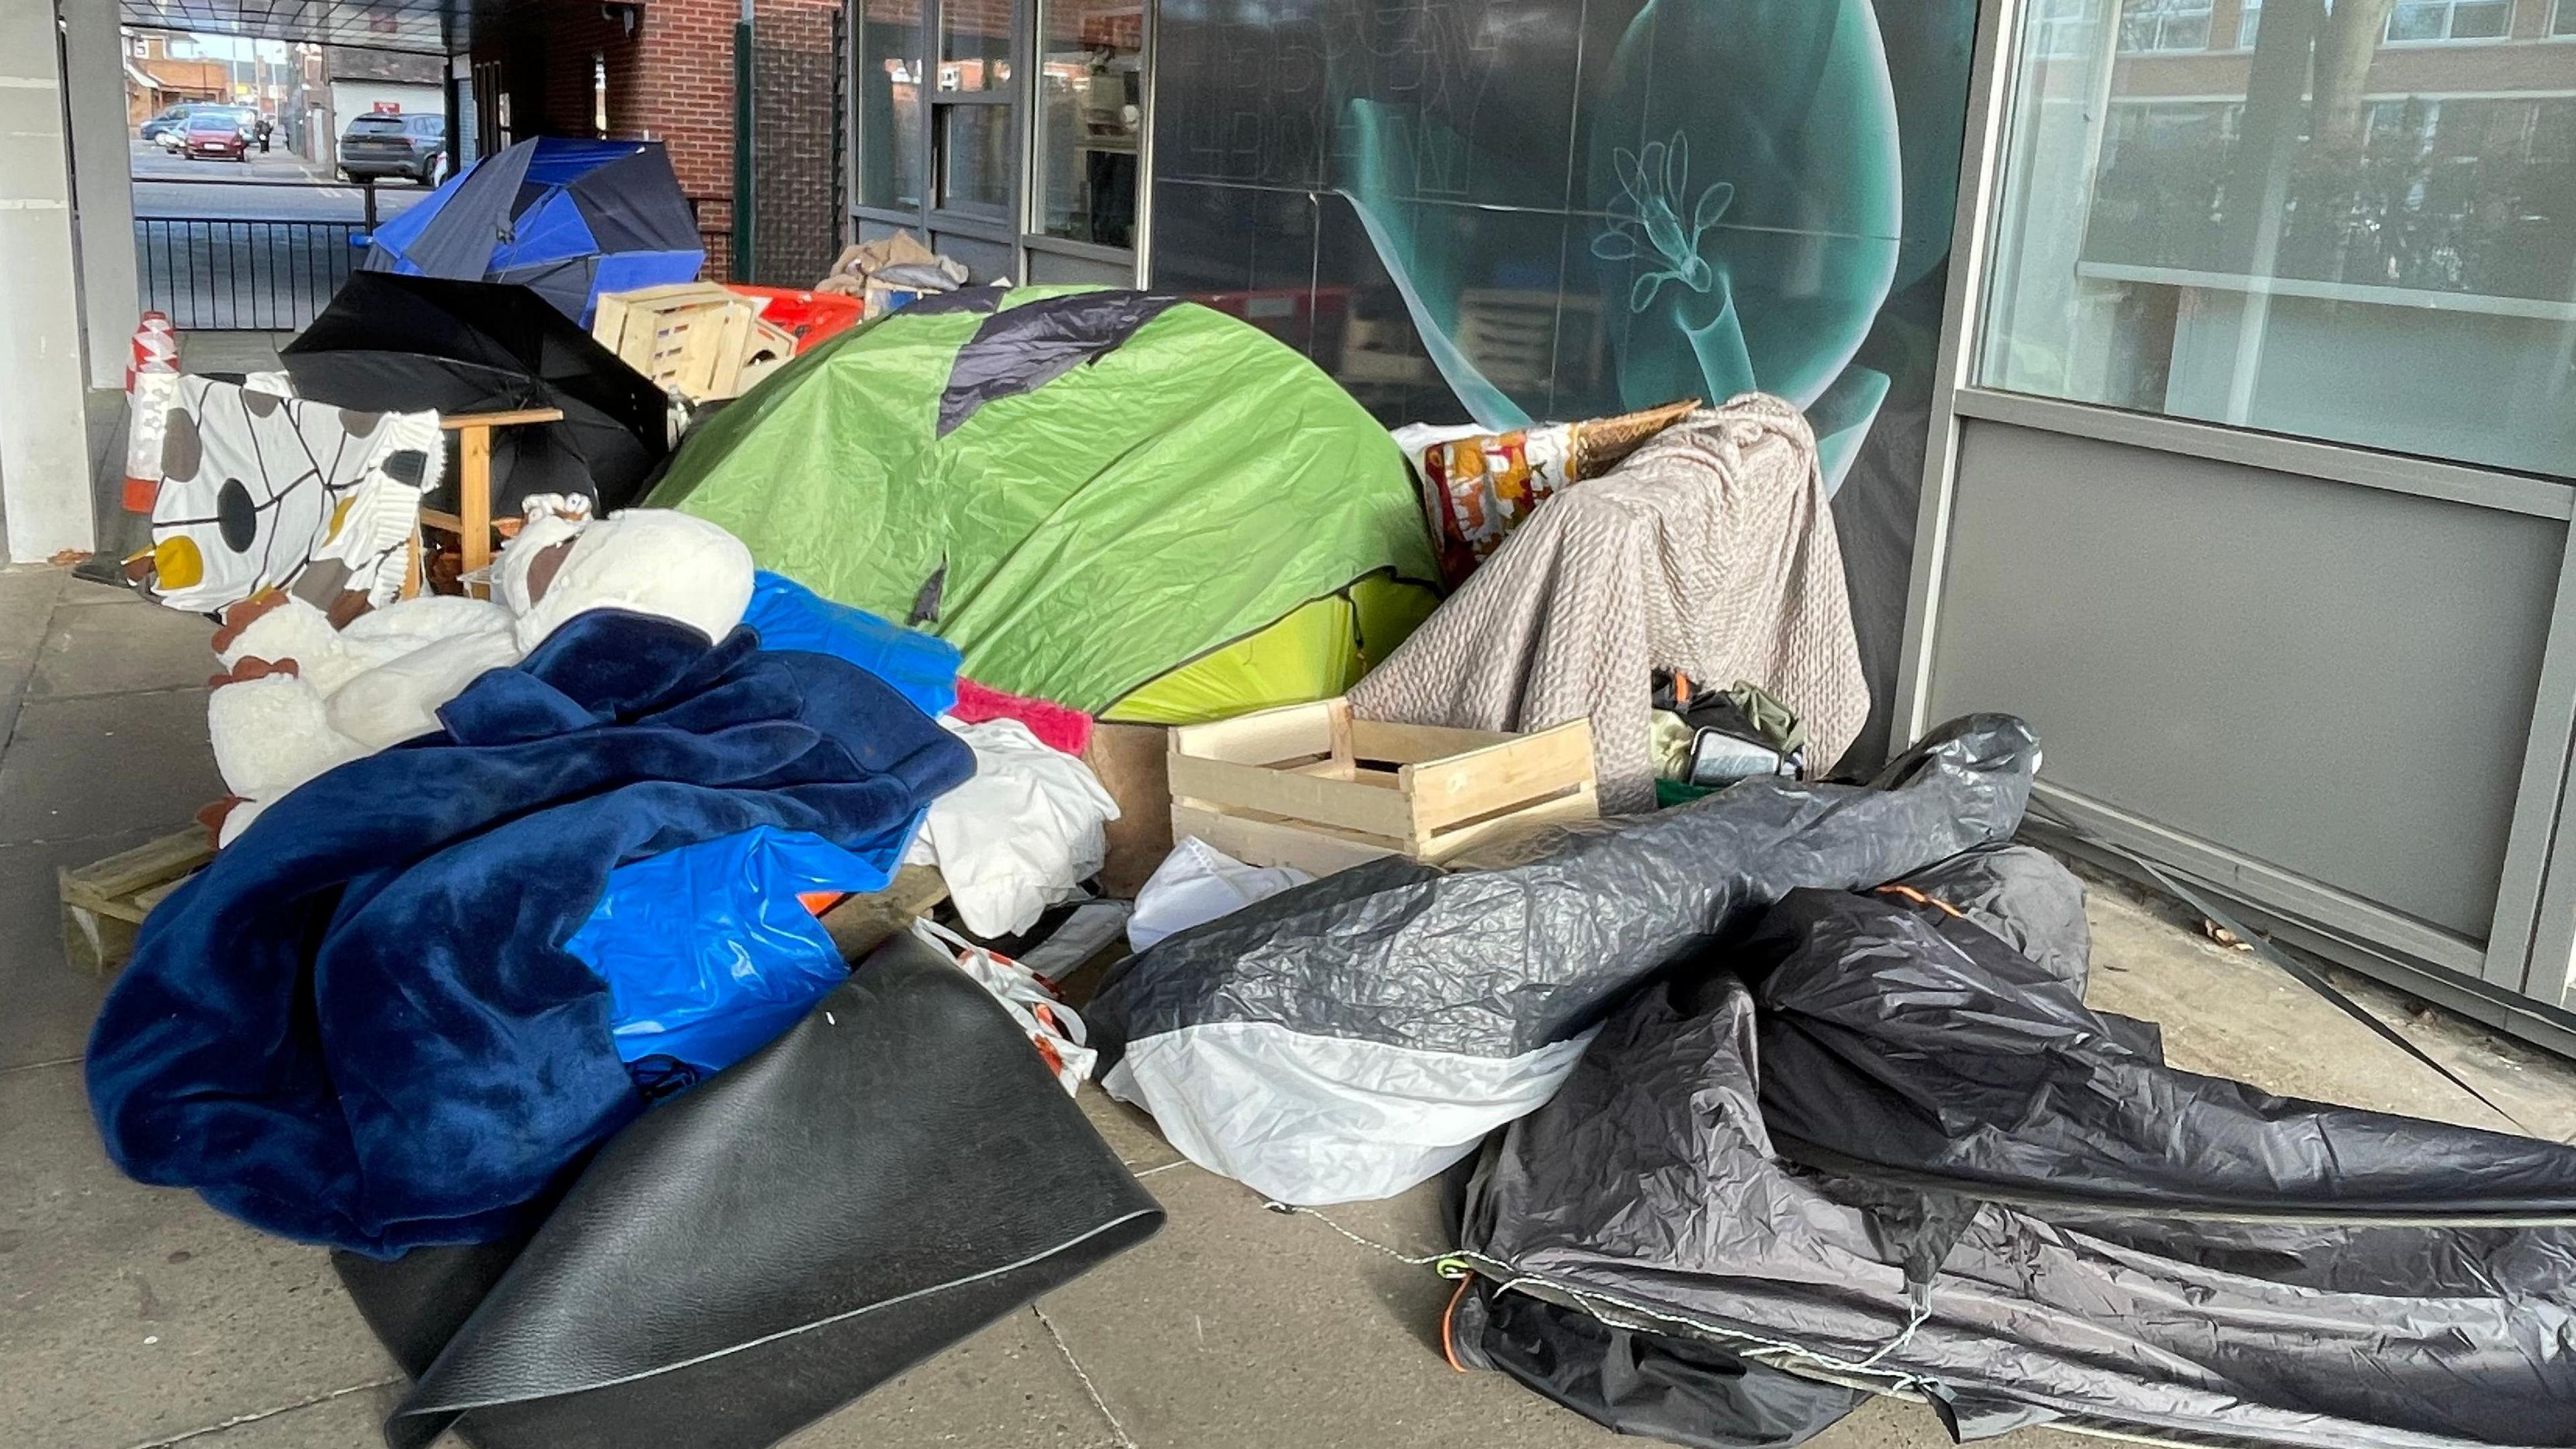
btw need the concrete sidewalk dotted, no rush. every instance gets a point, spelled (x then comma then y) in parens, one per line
(134, 1317)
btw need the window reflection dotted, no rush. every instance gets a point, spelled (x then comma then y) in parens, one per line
(2363, 238)
(975, 157)
(974, 45)
(1091, 119)
(889, 101)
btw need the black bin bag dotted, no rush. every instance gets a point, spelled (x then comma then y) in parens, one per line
(890, 1176)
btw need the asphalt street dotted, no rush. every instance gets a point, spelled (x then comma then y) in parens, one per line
(279, 186)
(257, 245)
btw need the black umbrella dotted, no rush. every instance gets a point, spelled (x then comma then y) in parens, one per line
(395, 343)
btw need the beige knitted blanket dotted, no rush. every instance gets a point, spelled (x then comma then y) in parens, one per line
(1710, 551)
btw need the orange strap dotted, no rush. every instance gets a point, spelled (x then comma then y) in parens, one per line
(1907, 892)
(1448, 1318)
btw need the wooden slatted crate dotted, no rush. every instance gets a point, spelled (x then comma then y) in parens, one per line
(699, 339)
(105, 901)
(1312, 787)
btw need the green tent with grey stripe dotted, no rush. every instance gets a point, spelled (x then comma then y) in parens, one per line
(1120, 501)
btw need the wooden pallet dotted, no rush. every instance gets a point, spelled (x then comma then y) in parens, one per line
(1310, 786)
(104, 902)
(694, 338)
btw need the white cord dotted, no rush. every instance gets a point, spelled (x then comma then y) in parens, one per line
(1292, 1210)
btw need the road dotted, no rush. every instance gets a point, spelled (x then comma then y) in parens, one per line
(279, 186)
(258, 245)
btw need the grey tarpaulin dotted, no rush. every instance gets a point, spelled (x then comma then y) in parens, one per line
(1653, 1385)
(1653, 1193)
(1350, 1038)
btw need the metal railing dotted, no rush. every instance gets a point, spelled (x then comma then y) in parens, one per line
(242, 275)
(231, 273)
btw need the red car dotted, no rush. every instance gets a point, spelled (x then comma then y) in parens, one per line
(220, 137)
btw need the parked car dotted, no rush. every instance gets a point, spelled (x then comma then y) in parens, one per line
(174, 121)
(218, 135)
(407, 145)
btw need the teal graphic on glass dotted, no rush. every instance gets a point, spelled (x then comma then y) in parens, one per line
(1740, 204)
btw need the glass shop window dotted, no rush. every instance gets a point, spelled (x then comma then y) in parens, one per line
(1091, 119)
(2305, 241)
(974, 45)
(975, 158)
(889, 103)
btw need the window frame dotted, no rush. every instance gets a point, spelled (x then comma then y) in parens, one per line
(1035, 236)
(2450, 20)
(1015, 226)
(2166, 13)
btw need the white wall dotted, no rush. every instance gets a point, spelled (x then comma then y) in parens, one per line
(351, 99)
(44, 464)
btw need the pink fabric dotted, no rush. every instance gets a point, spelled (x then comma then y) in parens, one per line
(1055, 725)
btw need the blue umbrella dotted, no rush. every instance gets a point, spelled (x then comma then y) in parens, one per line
(568, 219)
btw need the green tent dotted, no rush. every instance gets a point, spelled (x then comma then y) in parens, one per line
(1118, 501)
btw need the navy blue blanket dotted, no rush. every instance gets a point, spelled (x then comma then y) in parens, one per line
(359, 1026)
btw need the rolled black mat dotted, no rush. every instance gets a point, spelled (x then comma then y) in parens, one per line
(896, 1172)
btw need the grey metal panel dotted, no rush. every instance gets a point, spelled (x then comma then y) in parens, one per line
(1050, 266)
(985, 261)
(2338, 681)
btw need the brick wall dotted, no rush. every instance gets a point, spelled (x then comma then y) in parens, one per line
(796, 95)
(673, 82)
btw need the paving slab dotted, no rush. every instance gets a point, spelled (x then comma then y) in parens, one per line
(130, 1313)
(13, 695)
(1238, 1326)
(1130, 1133)
(27, 598)
(49, 1004)
(349, 1418)
(99, 765)
(118, 650)
(2229, 1013)
(1007, 1386)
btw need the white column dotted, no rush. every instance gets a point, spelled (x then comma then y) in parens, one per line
(44, 464)
(102, 185)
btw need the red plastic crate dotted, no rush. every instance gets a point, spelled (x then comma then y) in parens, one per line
(811, 317)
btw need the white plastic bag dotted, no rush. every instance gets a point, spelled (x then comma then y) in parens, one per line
(1197, 883)
(1019, 836)
(1053, 1027)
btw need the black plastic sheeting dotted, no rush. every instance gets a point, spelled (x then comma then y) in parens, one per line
(395, 343)
(2125, 1288)
(1903, 1043)
(896, 1172)
(1653, 1385)
(1531, 950)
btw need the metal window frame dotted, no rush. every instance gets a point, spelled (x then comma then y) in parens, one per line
(1013, 226)
(2519, 976)
(1033, 240)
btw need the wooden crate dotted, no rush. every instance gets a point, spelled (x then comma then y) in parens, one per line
(104, 902)
(1312, 787)
(696, 338)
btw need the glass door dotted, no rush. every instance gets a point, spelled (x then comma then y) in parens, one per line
(1048, 191)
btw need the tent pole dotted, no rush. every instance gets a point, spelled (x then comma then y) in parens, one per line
(743, 141)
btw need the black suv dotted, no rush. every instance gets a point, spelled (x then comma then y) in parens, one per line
(378, 146)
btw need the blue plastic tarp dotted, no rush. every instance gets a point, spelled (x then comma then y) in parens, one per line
(708, 951)
(787, 615)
